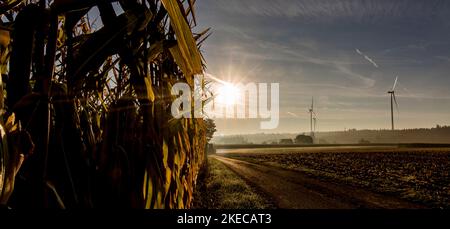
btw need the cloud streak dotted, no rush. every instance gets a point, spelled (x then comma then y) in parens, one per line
(293, 114)
(371, 11)
(366, 82)
(367, 58)
(334, 61)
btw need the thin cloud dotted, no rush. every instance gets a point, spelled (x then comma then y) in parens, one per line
(445, 58)
(367, 58)
(293, 114)
(285, 53)
(366, 81)
(331, 10)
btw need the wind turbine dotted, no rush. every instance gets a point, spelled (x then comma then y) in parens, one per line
(315, 124)
(393, 100)
(313, 118)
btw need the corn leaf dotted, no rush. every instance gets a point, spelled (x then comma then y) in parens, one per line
(182, 64)
(186, 42)
(150, 93)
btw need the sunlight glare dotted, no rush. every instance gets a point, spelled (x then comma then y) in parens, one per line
(227, 94)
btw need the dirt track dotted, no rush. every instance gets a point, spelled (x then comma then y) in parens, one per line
(294, 190)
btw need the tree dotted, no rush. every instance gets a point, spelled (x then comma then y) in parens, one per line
(210, 129)
(363, 141)
(286, 141)
(304, 139)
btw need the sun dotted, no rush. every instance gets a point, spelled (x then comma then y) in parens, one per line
(227, 94)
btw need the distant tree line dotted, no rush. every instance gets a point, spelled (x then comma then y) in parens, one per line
(437, 134)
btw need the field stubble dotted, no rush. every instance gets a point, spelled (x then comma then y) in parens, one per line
(418, 175)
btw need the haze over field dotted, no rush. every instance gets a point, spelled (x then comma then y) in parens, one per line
(344, 53)
(439, 135)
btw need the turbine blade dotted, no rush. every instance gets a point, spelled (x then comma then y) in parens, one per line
(395, 100)
(395, 83)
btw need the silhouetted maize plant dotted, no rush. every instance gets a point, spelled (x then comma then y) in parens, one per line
(97, 102)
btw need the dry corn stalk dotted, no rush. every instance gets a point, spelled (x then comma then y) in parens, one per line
(97, 103)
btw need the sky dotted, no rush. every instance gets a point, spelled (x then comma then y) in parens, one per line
(345, 54)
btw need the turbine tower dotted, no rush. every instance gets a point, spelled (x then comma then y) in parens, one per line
(393, 100)
(315, 124)
(313, 118)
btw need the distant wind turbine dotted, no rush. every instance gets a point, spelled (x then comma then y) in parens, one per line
(315, 124)
(393, 100)
(313, 118)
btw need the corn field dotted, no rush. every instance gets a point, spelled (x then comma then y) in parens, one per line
(88, 110)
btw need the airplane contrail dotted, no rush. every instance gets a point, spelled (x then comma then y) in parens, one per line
(293, 114)
(367, 58)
